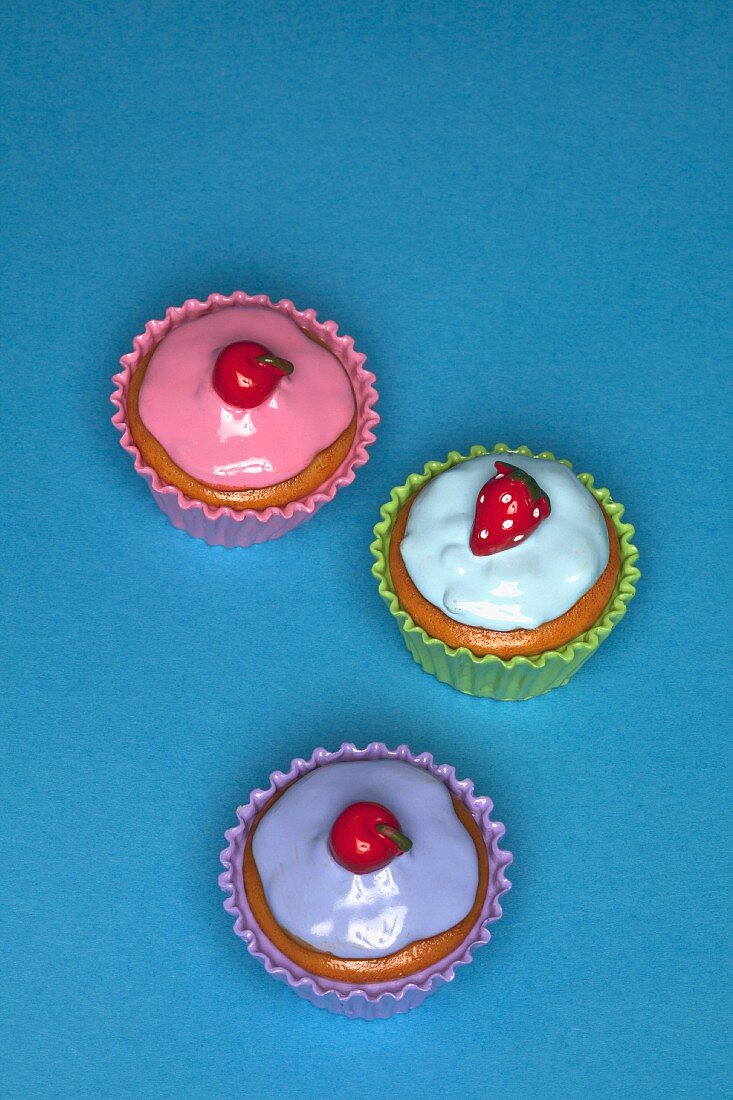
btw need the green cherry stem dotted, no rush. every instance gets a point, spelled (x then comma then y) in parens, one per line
(403, 842)
(274, 361)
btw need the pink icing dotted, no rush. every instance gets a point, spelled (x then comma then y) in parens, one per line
(236, 448)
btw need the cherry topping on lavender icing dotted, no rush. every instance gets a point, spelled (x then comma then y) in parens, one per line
(246, 373)
(510, 506)
(366, 836)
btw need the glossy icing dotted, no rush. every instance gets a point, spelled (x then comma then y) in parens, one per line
(236, 448)
(522, 587)
(420, 894)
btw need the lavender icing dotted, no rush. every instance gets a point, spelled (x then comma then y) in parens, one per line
(524, 586)
(315, 899)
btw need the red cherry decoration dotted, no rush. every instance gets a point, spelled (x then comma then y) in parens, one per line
(366, 837)
(510, 506)
(246, 373)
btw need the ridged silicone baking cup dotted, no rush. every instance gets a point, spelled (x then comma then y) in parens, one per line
(378, 1000)
(490, 677)
(224, 526)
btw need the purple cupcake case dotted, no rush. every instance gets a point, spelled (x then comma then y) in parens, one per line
(378, 1000)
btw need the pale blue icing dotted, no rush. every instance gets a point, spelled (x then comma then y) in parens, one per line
(523, 586)
(419, 894)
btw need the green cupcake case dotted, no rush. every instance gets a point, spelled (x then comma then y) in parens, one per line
(490, 677)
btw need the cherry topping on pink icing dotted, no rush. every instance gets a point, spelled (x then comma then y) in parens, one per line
(246, 373)
(222, 444)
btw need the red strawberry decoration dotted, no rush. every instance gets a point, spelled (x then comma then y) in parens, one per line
(509, 508)
(245, 374)
(366, 837)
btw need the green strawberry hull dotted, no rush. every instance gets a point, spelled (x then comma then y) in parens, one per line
(490, 677)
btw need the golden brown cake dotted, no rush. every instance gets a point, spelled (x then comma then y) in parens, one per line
(416, 956)
(503, 643)
(230, 421)
(504, 554)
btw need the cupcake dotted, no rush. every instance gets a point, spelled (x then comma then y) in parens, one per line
(244, 415)
(363, 877)
(504, 570)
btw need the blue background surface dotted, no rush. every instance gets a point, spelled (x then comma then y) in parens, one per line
(517, 210)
